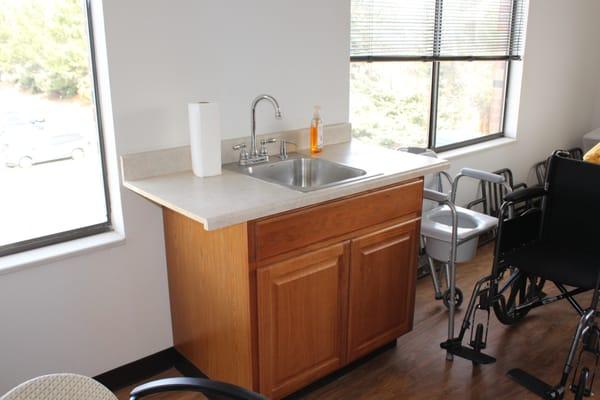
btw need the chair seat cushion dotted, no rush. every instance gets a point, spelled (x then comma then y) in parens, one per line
(60, 387)
(558, 263)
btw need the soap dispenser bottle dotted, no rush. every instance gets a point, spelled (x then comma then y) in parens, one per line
(316, 131)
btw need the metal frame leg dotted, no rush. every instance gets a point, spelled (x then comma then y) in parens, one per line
(451, 304)
(448, 200)
(447, 273)
(451, 267)
(435, 279)
(583, 324)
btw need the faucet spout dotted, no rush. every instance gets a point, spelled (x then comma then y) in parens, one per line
(258, 99)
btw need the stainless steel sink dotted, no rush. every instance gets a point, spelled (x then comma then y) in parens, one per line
(303, 173)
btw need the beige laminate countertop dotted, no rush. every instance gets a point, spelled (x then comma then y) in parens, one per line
(233, 198)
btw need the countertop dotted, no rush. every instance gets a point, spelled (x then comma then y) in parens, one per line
(233, 198)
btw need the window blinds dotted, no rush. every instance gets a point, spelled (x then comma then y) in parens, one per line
(436, 29)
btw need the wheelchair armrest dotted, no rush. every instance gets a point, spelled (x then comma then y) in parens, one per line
(482, 175)
(514, 233)
(525, 194)
(201, 385)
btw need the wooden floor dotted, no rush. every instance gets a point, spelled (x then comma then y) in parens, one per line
(416, 368)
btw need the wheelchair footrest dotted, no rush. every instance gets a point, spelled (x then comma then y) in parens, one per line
(455, 348)
(533, 384)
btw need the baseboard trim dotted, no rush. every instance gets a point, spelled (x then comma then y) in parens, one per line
(140, 370)
(144, 368)
(185, 366)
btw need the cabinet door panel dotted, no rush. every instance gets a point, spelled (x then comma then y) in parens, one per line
(301, 319)
(382, 287)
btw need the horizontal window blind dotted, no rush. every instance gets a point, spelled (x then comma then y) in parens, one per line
(392, 27)
(436, 29)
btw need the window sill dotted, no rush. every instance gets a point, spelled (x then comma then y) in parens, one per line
(60, 251)
(475, 148)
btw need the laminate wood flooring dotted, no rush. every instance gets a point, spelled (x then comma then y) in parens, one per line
(416, 368)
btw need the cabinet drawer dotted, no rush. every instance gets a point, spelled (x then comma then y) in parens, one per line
(286, 232)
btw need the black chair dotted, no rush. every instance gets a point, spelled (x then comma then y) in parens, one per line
(557, 242)
(213, 389)
(540, 168)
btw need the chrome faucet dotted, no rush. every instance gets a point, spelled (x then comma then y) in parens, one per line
(255, 156)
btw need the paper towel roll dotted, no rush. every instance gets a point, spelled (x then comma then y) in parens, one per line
(205, 138)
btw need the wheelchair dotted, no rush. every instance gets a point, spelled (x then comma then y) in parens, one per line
(556, 242)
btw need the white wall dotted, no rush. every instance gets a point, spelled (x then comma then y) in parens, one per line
(597, 112)
(92, 313)
(165, 54)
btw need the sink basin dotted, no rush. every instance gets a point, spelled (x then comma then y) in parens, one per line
(304, 174)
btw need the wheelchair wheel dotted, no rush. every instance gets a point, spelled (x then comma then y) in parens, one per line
(458, 298)
(515, 291)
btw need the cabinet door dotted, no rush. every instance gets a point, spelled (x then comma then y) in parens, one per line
(382, 287)
(302, 313)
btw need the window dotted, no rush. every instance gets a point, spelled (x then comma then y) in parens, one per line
(432, 73)
(51, 156)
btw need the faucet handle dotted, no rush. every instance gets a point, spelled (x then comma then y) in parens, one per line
(243, 152)
(263, 146)
(283, 154)
(267, 141)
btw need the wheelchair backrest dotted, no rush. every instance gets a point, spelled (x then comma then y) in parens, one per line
(541, 167)
(572, 206)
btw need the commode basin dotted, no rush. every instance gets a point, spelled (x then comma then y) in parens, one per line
(436, 226)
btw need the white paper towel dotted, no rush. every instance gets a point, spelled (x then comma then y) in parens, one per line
(205, 138)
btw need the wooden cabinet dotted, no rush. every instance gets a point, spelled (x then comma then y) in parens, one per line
(302, 319)
(276, 303)
(382, 289)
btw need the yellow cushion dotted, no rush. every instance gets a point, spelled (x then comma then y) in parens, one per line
(593, 155)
